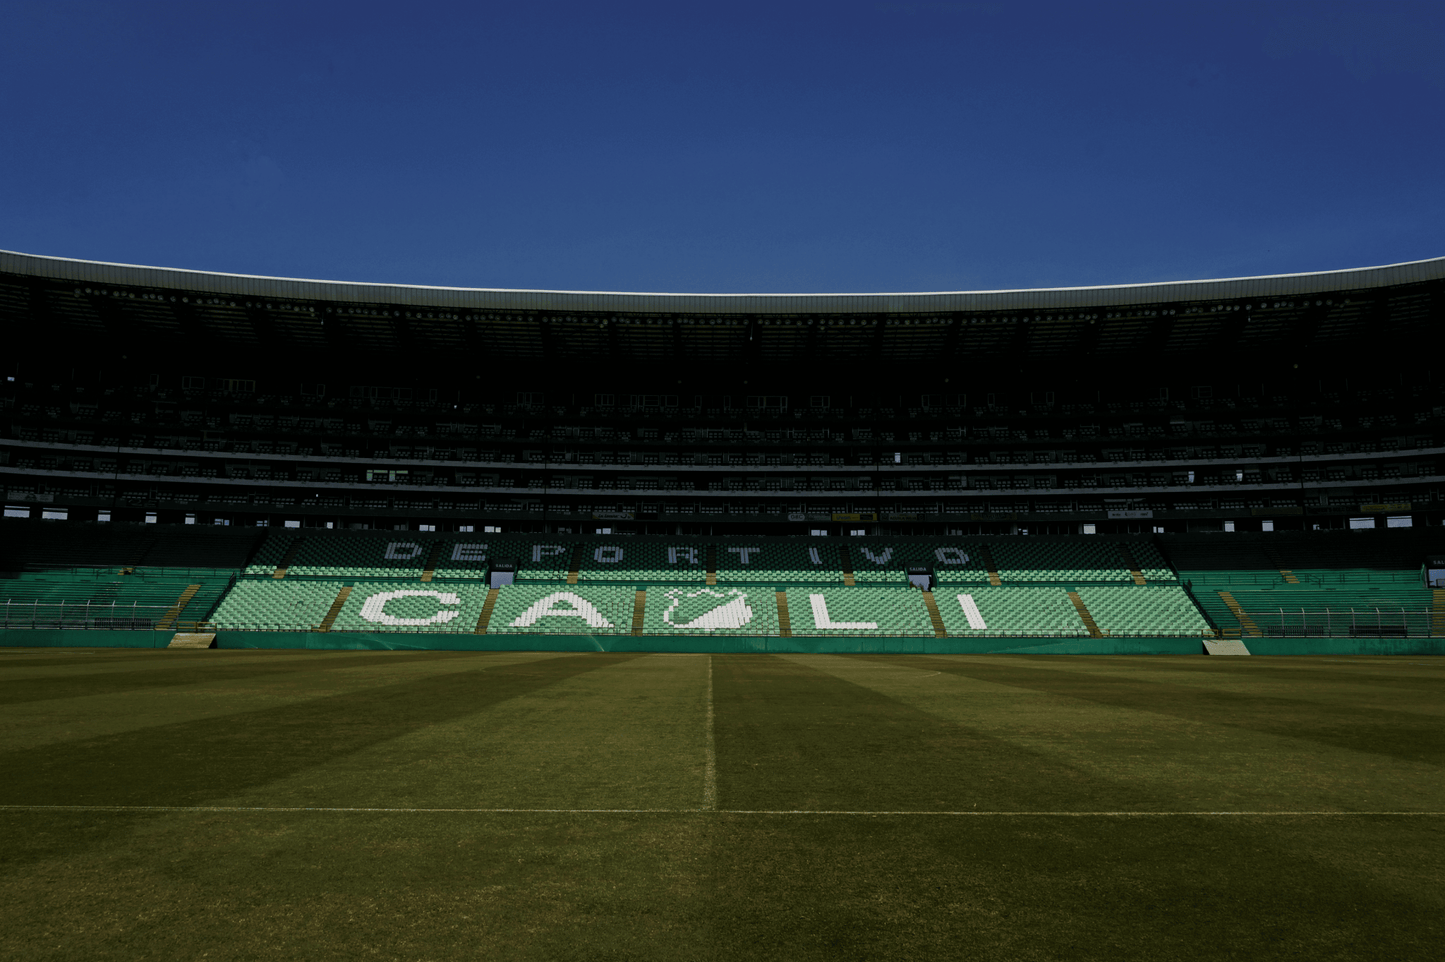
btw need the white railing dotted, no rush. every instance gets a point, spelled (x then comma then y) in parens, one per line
(1343, 623)
(82, 614)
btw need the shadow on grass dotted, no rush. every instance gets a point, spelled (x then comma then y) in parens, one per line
(1376, 731)
(197, 668)
(790, 737)
(188, 762)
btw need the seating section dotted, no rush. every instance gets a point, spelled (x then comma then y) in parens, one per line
(643, 562)
(1152, 564)
(857, 611)
(104, 598)
(563, 609)
(408, 606)
(877, 563)
(289, 605)
(344, 554)
(468, 557)
(404, 554)
(811, 561)
(134, 576)
(1393, 549)
(1342, 609)
(1027, 559)
(1151, 611)
(1381, 594)
(1006, 612)
(35, 545)
(271, 553)
(697, 610)
(1317, 584)
(954, 562)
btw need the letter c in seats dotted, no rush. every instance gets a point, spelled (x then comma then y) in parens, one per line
(374, 610)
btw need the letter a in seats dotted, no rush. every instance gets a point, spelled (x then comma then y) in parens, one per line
(562, 604)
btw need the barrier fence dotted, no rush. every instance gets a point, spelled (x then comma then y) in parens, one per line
(83, 614)
(1351, 623)
(1275, 579)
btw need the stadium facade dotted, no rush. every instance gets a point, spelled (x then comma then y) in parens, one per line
(1298, 400)
(1303, 403)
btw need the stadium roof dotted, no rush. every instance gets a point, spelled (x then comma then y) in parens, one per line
(477, 298)
(102, 306)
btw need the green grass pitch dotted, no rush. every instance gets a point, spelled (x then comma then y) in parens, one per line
(449, 805)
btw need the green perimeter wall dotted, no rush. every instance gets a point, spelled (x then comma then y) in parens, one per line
(383, 641)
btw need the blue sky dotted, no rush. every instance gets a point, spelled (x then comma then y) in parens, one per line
(735, 147)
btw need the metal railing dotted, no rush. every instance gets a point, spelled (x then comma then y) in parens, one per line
(110, 615)
(1274, 578)
(1343, 623)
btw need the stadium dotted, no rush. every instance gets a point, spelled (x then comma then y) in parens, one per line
(353, 619)
(1174, 468)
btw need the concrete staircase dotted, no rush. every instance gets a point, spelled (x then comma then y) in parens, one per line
(1250, 629)
(431, 562)
(639, 609)
(928, 602)
(288, 558)
(785, 623)
(846, 561)
(1132, 565)
(334, 610)
(485, 618)
(168, 620)
(986, 556)
(1084, 615)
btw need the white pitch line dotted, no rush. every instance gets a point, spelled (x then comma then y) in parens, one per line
(694, 811)
(318, 808)
(709, 774)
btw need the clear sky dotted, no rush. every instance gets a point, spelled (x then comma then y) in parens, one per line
(725, 147)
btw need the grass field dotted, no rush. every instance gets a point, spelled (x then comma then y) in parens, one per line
(439, 805)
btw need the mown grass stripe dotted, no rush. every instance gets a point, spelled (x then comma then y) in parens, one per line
(1307, 715)
(22, 690)
(793, 737)
(709, 781)
(222, 756)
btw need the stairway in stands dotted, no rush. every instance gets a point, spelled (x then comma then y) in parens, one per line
(639, 608)
(934, 616)
(785, 623)
(335, 609)
(986, 556)
(1132, 565)
(288, 558)
(1085, 616)
(168, 620)
(485, 618)
(1250, 629)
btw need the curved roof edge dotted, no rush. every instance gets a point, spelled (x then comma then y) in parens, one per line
(248, 285)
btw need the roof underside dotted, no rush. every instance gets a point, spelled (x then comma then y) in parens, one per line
(100, 308)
